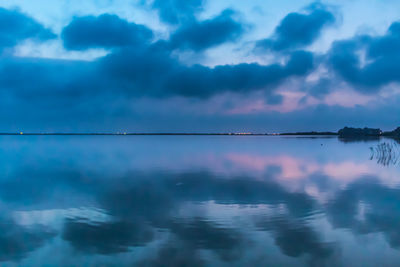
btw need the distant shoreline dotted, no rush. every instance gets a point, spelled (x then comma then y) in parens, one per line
(166, 134)
(138, 134)
(342, 133)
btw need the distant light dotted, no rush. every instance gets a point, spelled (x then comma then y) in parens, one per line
(21, 133)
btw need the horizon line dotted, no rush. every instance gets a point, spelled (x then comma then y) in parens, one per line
(165, 133)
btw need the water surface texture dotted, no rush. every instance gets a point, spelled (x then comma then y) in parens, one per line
(197, 201)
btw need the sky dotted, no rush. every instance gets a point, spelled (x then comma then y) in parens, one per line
(198, 65)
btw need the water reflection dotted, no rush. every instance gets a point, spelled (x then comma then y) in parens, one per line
(296, 238)
(357, 139)
(196, 201)
(17, 242)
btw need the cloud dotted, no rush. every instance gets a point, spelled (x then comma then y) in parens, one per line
(178, 11)
(203, 81)
(298, 30)
(16, 27)
(320, 88)
(136, 70)
(136, 67)
(113, 86)
(39, 77)
(104, 31)
(368, 62)
(200, 35)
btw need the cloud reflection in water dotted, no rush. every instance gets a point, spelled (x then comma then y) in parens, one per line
(259, 201)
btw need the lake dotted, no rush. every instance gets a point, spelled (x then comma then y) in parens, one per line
(198, 201)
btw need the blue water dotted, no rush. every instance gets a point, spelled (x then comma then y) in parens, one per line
(197, 201)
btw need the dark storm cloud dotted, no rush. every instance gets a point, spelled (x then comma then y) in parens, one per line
(320, 88)
(200, 35)
(135, 70)
(104, 31)
(16, 27)
(199, 81)
(243, 78)
(380, 65)
(87, 93)
(150, 71)
(40, 78)
(297, 30)
(178, 11)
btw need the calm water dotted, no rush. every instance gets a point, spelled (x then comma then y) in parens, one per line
(197, 201)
